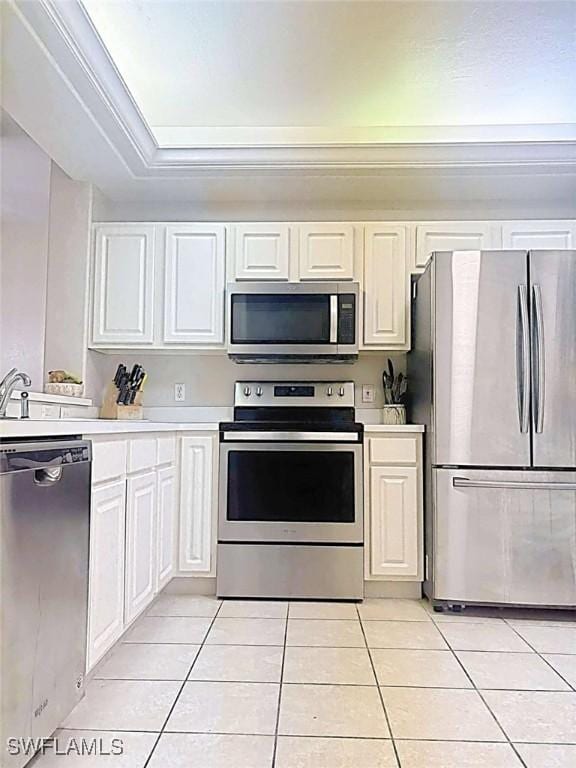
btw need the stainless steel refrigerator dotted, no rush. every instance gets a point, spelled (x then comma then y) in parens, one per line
(493, 377)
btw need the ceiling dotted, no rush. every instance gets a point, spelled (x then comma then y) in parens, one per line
(388, 105)
(288, 71)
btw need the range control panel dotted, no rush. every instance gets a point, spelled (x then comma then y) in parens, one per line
(295, 393)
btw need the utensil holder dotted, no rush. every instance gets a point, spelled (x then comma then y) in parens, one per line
(394, 414)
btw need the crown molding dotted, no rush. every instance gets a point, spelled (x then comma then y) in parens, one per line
(358, 157)
(84, 75)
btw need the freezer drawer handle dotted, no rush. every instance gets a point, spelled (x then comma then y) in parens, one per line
(464, 482)
(538, 358)
(523, 365)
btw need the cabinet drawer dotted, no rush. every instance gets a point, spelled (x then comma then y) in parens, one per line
(108, 459)
(166, 450)
(141, 454)
(394, 450)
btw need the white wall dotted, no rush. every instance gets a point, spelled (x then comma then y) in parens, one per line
(25, 210)
(209, 379)
(439, 196)
(67, 285)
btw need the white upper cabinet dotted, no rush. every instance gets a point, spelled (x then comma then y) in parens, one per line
(194, 284)
(538, 235)
(455, 236)
(326, 251)
(386, 286)
(261, 251)
(123, 310)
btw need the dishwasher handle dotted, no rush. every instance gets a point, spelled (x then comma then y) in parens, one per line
(48, 476)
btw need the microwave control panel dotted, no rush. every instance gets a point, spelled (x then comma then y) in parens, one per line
(346, 318)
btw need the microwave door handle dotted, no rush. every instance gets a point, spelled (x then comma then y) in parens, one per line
(333, 319)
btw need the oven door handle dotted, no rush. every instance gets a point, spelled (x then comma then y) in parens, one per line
(291, 437)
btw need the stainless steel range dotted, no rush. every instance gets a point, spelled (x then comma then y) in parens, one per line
(291, 493)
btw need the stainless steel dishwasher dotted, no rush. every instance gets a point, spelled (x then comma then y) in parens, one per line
(44, 531)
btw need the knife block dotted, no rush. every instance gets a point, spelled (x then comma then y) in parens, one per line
(112, 410)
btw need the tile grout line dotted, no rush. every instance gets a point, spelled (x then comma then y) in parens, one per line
(344, 685)
(275, 747)
(379, 691)
(545, 660)
(307, 736)
(162, 730)
(508, 740)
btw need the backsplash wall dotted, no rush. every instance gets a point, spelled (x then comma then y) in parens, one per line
(209, 379)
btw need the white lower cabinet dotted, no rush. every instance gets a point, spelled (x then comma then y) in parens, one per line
(197, 490)
(132, 533)
(394, 523)
(106, 581)
(394, 515)
(140, 543)
(166, 506)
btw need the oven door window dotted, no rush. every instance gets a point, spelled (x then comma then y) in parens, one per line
(280, 319)
(291, 486)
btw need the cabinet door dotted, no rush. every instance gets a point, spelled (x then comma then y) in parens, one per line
(386, 287)
(394, 533)
(326, 251)
(261, 251)
(165, 528)
(194, 287)
(196, 502)
(106, 579)
(123, 284)
(539, 235)
(140, 543)
(455, 236)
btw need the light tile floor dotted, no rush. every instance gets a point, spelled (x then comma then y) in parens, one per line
(200, 683)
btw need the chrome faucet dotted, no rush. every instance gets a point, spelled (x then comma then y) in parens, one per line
(7, 386)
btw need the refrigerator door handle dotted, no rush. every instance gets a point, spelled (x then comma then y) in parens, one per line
(464, 482)
(538, 374)
(523, 360)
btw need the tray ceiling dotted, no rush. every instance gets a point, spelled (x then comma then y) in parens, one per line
(384, 103)
(283, 72)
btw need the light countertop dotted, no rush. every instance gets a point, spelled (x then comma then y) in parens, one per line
(393, 428)
(49, 427)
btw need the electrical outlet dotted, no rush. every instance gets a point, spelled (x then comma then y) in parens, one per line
(368, 393)
(179, 392)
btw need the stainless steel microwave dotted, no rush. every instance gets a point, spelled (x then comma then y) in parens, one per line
(293, 322)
